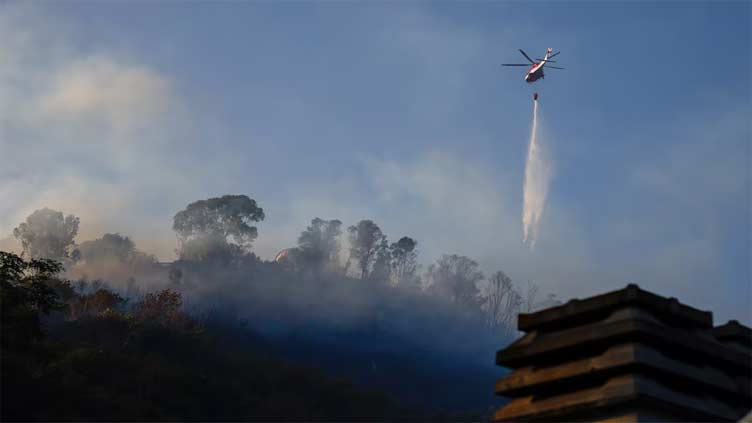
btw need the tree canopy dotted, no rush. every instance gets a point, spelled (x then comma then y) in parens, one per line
(221, 225)
(47, 233)
(110, 245)
(366, 241)
(404, 260)
(139, 353)
(319, 243)
(28, 288)
(456, 278)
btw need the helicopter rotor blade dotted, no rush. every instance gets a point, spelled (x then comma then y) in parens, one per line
(514, 64)
(554, 54)
(526, 56)
(554, 67)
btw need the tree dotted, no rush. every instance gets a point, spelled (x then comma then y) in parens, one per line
(404, 260)
(456, 279)
(28, 289)
(502, 301)
(110, 246)
(382, 269)
(318, 245)
(47, 233)
(217, 227)
(163, 308)
(366, 240)
(100, 302)
(112, 257)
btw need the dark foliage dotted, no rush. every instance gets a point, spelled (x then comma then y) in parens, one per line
(297, 338)
(153, 362)
(28, 289)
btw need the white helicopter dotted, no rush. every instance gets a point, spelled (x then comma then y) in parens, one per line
(536, 68)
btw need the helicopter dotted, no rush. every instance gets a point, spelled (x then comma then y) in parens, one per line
(536, 68)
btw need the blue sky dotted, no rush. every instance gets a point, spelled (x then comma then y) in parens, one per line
(399, 112)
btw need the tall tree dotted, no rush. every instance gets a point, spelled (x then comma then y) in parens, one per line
(404, 260)
(47, 233)
(502, 301)
(382, 269)
(456, 278)
(318, 245)
(217, 227)
(366, 240)
(109, 246)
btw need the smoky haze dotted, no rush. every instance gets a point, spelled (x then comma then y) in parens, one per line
(363, 309)
(433, 146)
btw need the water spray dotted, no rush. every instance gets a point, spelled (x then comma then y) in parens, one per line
(535, 186)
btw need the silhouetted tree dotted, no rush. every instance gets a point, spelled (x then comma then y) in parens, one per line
(163, 308)
(318, 245)
(382, 269)
(502, 301)
(47, 233)
(110, 245)
(404, 261)
(113, 247)
(95, 304)
(217, 227)
(28, 289)
(113, 257)
(455, 278)
(366, 240)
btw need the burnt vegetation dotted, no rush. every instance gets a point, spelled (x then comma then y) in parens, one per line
(329, 330)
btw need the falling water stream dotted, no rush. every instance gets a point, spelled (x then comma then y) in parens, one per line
(535, 186)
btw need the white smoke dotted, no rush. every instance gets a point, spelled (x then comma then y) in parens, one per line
(535, 188)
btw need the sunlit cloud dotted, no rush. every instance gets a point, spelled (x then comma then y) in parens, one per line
(98, 88)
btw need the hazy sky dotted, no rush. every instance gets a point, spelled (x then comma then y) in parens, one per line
(124, 112)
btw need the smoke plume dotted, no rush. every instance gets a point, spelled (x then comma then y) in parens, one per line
(535, 187)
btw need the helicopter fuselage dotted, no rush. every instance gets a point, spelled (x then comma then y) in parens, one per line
(536, 71)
